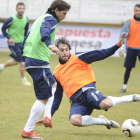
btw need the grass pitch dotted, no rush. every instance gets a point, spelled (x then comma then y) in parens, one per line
(16, 101)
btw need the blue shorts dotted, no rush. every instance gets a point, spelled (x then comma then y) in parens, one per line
(43, 81)
(87, 102)
(131, 57)
(15, 51)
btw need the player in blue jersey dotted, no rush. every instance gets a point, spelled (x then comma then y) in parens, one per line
(75, 77)
(37, 46)
(17, 27)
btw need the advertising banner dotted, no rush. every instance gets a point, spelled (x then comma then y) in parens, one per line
(87, 38)
(82, 38)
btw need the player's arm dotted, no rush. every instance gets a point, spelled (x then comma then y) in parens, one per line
(125, 28)
(98, 55)
(26, 27)
(22, 46)
(58, 95)
(5, 26)
(47, 27)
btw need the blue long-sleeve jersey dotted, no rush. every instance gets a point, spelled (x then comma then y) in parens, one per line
(7, 24)
(87, 57)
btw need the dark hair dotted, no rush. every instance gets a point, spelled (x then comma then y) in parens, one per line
(60, 4)
(137, 5)
(20, 3)
(62, 40)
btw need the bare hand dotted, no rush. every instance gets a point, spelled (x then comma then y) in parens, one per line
(121, 40)
(23, 66)
(53, 48)
(39, 123)
(11, 41)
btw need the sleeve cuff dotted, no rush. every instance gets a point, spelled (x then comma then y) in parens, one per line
(47, 42)
(119, 45)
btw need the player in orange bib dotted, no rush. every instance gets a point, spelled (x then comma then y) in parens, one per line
(132, 28)
(76, 78)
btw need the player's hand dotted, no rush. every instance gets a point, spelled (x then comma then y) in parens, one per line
(39, 123)
(23, 66)
(121, 40)
(53, 48)
(11, 41)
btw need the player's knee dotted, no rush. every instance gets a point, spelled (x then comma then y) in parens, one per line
(106, 104)
(55, 85)
(76, 120)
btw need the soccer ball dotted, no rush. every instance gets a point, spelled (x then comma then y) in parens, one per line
(130, 128)
(122, 51)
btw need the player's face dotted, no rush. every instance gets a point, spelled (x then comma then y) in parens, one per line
(20, 10)
(63, 52)
(137, 12)
(60, 14)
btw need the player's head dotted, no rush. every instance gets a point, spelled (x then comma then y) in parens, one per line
(137, 10)
(20, 7)
(63, 49)
(60, 8)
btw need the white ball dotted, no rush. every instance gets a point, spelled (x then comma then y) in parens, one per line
(130, 128)
(122, 51)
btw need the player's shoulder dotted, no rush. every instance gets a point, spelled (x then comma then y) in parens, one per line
(51, 18)
(127, 23)
(25, 16)
(9, 19)
(128, 20)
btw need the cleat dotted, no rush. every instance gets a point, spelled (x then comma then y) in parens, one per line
(47, 122)
(26, 83)
(30, 135)
(110, 124)
(122, 90)
(136, 97)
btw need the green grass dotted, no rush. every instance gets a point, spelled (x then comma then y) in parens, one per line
(16, 101)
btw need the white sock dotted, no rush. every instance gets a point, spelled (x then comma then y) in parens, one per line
(124, 86)
(48, 106)
(35, 113)
(23, 78)
(2, 67)
(122, 99)
(88, 120)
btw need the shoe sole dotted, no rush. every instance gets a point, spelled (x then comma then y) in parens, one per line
(25, 136)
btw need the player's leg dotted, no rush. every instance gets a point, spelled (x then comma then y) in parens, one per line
(10, 62)
(130, 62)
(22, 74)
(80, 115)
(97, 100)
(47, 121)
(122, 99)
(17, 56)
(42, 93)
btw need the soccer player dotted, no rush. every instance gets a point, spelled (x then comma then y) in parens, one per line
(36, 53)
(17, 26)
(74, 75)
(132, 28)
